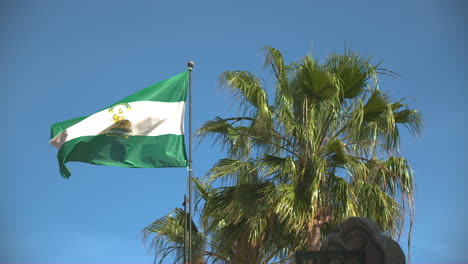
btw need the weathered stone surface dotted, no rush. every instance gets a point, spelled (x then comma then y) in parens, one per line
(359, 233)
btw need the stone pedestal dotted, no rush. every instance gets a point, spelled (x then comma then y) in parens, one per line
(359, 233)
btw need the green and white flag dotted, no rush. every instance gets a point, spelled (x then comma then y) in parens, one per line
(144, 130)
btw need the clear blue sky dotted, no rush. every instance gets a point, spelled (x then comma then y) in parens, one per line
(65, 59)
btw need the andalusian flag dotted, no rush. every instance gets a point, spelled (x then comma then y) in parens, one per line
(144, 130)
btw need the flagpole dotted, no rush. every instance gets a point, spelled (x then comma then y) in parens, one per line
(185, 228)
(190, 65)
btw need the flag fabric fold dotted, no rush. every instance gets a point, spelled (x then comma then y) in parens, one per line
(143, 130)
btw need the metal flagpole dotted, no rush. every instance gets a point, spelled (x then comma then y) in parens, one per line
(185, 228)
(190, 64)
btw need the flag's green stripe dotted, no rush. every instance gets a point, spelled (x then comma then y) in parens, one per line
(171, 90)
(132, 152)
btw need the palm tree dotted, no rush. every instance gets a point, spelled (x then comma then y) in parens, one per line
(326, 145)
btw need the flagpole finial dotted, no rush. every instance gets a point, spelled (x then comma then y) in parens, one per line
(190, 64)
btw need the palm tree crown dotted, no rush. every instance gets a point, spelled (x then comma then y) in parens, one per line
(328, 142)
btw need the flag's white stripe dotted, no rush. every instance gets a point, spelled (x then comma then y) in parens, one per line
(147, 118)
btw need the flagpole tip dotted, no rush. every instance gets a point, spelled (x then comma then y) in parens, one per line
(190, 64)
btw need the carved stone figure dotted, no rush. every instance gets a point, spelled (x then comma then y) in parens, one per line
(359, 233)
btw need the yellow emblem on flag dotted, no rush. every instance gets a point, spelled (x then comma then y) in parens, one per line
(121, 126)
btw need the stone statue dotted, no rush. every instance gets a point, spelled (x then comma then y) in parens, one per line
(359, 233)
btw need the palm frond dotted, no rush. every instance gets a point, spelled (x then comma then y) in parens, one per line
(235, 138)
(353, 72)
(237, 171)
(247, 88)
(168, 237)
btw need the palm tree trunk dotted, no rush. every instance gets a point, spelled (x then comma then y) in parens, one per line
(314, 232)
(313, 236)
